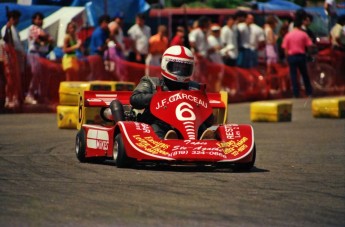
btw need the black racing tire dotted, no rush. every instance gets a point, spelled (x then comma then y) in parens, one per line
(80, 146)
(119, 153)
(80, 149)
(242, 167)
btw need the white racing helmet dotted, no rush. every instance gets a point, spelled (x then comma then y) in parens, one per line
(177, 64)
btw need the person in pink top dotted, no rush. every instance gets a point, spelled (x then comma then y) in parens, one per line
(295, 44)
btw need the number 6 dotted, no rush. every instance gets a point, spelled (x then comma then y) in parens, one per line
(180, 110)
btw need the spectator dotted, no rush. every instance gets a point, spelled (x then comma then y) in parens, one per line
(198, 38)
(14, 60)
(2, 75)
(240, 17)
(139, 34)
(330, 7)
(338, 34)
(199, 46)
(215, 45)
(215, 75)
(178, 39)
(100, 36)
(70, 45)
(9, 31)
(39, 45)
(252, 39)
(193, 25)
(271, 40)
(244, 44)
(117, 50)
(157, 45)
(116, 46)
(295, 44)
(305, 27)
(300, 15)
(284, 29)
(228, 37)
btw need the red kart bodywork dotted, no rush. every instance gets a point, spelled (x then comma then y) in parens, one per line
(185, 111)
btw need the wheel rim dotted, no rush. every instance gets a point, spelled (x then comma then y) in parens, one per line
(77, 145)
(115, 150)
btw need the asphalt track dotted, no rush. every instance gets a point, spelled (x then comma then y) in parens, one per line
(298, 179)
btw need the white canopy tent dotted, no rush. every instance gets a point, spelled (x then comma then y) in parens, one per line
(56, 23)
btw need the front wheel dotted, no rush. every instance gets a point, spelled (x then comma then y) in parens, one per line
(246, 166)
(119, 153)
(80, 146)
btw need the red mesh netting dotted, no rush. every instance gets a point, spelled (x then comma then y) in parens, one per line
(241, 84)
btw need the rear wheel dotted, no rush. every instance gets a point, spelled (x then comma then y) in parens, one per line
(119, 153)
(80, 146)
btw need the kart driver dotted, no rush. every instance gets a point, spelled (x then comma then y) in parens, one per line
(176, 69)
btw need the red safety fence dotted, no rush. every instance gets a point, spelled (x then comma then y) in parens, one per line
(326, 72)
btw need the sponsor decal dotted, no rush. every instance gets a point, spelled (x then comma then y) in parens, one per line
(179, 96)
(97, 139)
(149, 144)
(142, 127)
(234, 147)
(200, 149)
(232, 132)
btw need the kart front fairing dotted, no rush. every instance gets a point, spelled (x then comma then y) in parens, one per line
(185, 111)
(235, 143)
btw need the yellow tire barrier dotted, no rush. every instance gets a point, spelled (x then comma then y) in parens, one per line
(271, 111)
(331, 107)
(67, 116)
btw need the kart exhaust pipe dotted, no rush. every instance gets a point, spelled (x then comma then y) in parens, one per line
(117, 111)
(113, 113)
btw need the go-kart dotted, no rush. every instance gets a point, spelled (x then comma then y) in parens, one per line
(127, 141)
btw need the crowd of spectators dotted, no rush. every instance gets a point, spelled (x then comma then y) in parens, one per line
(237, 42)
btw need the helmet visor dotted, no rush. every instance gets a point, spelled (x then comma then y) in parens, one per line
(184, 69)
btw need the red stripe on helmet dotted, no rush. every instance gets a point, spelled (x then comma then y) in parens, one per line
(182, 55)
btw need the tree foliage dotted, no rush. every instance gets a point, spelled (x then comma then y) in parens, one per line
(227, 3)
(205, 3)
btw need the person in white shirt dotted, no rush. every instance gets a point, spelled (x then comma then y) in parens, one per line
(198, 38)
(228, 37)
(39, 43)
(140, 34)
(252, 39)
(330, 7)
(13, 19)
(215, 44)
